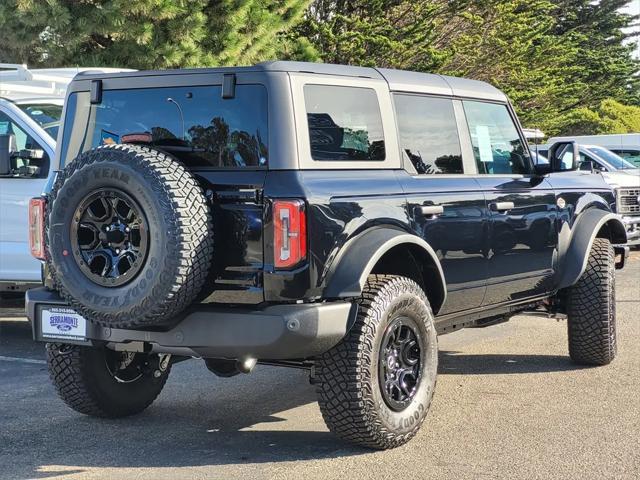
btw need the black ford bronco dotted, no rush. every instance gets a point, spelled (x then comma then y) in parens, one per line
(325, 217)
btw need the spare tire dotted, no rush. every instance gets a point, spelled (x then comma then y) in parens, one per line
(129, 236)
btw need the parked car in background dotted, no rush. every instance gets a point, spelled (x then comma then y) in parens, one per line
(622, 175)
(31, 102)
(626, 145)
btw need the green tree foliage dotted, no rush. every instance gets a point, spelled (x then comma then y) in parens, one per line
(609, 117)
(147, 33)
(554, 58)
(561, 62)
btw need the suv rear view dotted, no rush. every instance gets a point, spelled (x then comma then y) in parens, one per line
(323, 217)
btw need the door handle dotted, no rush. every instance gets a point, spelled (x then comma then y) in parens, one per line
(431, 210)
(501, 206)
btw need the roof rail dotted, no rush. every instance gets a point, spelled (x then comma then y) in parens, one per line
(14, 71)
(18, 79)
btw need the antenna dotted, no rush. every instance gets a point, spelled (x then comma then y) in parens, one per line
(171, 100)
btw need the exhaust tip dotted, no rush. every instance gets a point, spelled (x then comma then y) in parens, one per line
(246, 364)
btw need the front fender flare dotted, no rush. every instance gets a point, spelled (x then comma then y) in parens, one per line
(360, 255)
(586, 229)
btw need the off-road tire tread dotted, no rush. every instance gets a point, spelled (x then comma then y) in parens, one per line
(591, 309)
(74, 384)
(342, 376)
(190, 246)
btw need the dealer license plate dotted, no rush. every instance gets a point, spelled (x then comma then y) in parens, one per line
(63, 323)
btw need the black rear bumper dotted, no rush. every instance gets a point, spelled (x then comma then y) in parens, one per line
(277, 332)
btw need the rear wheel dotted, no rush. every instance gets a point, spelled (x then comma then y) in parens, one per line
(375, 387)
(591, 309)
(104, 383)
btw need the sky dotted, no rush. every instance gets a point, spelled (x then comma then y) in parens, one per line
(634, 9)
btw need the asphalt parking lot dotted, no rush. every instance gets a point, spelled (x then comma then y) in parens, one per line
(509, 404)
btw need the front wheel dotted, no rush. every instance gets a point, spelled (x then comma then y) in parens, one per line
(104, 383)
(375, 387)
(591, 309)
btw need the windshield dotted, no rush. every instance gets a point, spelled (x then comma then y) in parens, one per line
(616, 161)
(47, 115)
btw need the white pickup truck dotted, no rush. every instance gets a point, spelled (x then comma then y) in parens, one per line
(31, 103)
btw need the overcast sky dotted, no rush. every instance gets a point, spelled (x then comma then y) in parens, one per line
(634, 9)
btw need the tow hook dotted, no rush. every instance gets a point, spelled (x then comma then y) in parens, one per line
(163, 364)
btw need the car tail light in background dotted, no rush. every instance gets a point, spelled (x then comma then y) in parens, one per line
(289, 233)
(36, 227)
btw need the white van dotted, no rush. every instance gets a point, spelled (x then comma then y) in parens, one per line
(30, 108)
(626, 145)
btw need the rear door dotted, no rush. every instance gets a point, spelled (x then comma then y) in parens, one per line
(446, 207)
(521, 206)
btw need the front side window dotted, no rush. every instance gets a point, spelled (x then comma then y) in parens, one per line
(29, 158)
(429, 133)
(193, 123)
(497, 147)
(344, 123)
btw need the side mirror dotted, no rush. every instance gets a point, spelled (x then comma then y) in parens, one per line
(564, 156)
(7, 147)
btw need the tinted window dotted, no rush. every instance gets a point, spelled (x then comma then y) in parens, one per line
(193, 123)
(344, 123)
(429, 134)
(496, 144)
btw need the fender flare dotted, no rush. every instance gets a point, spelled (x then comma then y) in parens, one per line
(361, 253)
(585, 231)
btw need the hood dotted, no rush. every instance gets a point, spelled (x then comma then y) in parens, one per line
(620, 179)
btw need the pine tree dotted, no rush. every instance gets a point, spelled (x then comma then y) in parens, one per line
(147, 33)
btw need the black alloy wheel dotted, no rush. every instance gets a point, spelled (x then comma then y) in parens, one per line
(400, 367)
(109, 237)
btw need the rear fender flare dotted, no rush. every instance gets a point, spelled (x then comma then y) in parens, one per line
(360, 255)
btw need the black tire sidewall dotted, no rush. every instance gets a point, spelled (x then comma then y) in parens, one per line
(115, 396)
(414, 308)
(148, 284)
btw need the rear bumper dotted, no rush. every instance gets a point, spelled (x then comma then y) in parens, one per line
(632, 225)
(276, 332)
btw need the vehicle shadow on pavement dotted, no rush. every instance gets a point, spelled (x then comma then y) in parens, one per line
(199, 420)
(457, 363)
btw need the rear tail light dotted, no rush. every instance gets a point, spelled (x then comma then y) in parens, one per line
(36, 227)
(289, 233)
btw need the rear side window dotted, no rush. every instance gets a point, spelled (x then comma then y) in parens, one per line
(497, 147)
(193, 123)
(344, 123)
(429, 133)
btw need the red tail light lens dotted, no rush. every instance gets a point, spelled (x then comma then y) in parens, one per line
(36, 227)
(289, 233)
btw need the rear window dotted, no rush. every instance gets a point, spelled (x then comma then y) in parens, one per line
(193, 123)
(344, 123)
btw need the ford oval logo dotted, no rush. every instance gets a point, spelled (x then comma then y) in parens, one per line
(64, 323)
